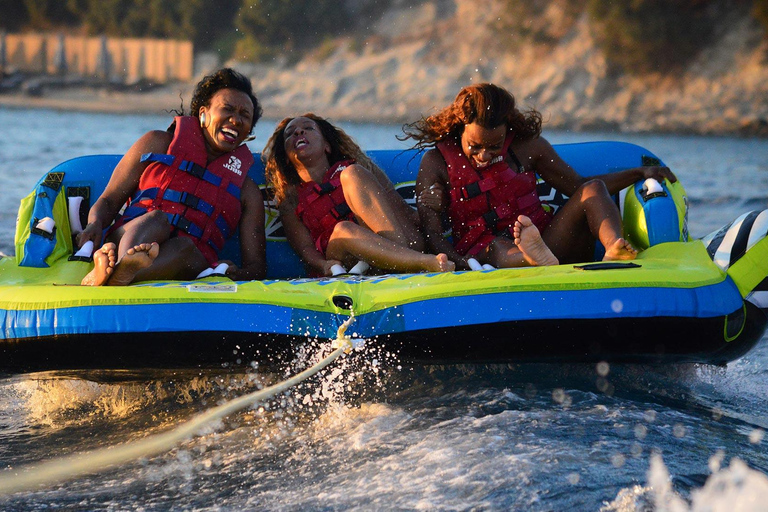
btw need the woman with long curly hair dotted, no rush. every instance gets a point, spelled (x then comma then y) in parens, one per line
(336, 206)
(480, 172)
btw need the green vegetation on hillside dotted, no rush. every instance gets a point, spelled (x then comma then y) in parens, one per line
(642, 36)
(636, 36)
(270, 27)
(760, 11)
(538, 21)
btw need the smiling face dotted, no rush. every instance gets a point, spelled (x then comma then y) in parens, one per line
(304, 143)
(228, 120)
(483, 146)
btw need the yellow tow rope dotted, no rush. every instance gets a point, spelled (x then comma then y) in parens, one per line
(73, 466)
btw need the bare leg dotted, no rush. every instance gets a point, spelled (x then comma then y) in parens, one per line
(103, 266)
(529, 241)
(373, 208)
(351, 240)
(151, 227)
(589, 214)
(179, 258)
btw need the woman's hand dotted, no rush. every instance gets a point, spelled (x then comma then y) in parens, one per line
(659, 173)
(92, 232)
(433, 198)
(326, 267)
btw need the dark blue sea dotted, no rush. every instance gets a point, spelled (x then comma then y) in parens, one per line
(372, 433)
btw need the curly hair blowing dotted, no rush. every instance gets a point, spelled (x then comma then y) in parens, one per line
(280, 173)
(225, 78)
(485, 104)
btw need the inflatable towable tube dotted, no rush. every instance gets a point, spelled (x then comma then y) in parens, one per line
(681, 300)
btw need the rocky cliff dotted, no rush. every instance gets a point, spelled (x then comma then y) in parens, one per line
(414, 58)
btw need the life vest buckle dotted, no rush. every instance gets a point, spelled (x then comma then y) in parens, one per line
(198, 171)
(181, 222)
(471, 190)
(325, 188)
(491, 218)
(188, 199)
(341, 211)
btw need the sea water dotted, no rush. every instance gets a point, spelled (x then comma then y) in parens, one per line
(371, 432)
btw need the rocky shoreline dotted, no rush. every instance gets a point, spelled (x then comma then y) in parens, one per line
(419, 57)
(167, 98)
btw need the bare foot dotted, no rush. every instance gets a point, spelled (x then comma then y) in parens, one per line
(444, 264)
(103, 265)
(136, 258)
(529, 241)
(620, 250)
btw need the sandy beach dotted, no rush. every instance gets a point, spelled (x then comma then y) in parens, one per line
(93, 100)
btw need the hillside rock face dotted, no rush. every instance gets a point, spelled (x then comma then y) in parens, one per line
(415, 57)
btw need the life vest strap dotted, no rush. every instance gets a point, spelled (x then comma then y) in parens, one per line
(472, 236)
(501, 212)
(158, 157)
(185, 224)
(484, 185)
(193, 229)
(337, 213)
(322, 189)
(528, 200)
(196, 170)
(477, 188)
(185, 198)
(491, 218)
(223, 226)
(340, 211)
(200, 172)
(325, 188)
(189, 200)
(180, 222)
(506, 210)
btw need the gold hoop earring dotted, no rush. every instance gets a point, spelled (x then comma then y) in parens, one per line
(202, 119)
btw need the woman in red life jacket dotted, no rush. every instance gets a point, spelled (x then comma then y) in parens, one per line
(187, 191)
(336, 206)
(480, 172)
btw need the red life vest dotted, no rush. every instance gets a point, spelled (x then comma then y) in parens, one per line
(485, 203)
(202, 200)
(322, 206)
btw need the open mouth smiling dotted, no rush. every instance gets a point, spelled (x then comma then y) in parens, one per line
(229, 134)
(494, 160)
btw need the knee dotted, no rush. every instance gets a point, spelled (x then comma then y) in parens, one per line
(355, 175)
(157, 219)
(344, 229)
(593, 188)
